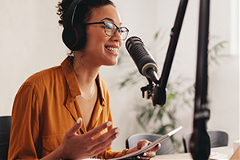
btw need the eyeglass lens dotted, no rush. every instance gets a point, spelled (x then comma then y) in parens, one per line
(111, 30)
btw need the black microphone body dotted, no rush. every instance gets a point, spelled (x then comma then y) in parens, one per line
(142, 58)
(147, 67)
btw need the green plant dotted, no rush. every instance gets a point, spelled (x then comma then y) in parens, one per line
(164, 118)
(161, 120)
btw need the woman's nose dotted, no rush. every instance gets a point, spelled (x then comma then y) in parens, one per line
(117, 36)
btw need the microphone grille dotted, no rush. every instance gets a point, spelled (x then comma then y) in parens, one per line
(140, 54)
(135, 52)
(131, 41)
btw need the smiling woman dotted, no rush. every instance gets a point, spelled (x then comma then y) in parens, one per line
(65, 112)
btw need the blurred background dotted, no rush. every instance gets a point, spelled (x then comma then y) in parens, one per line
(31, 41)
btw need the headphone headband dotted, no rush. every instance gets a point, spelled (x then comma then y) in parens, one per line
(69, 20)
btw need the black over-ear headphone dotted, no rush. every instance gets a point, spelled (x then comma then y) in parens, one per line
(73, 35)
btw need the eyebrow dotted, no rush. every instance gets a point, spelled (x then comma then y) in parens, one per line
(110, 19)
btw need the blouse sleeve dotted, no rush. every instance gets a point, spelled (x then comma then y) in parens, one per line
(25, 125)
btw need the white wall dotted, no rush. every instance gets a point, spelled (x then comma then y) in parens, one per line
(31, 41)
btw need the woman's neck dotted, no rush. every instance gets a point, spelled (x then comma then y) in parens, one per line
(86, 73)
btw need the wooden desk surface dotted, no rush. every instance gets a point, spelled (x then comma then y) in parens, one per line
(187, 156)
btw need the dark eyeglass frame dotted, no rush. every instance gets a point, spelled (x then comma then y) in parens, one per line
(117, 30)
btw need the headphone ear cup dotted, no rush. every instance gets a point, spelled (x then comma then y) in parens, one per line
(81, 33)
(74, 38)
(69, 37)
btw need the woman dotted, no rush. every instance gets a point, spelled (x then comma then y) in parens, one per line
(63, 112)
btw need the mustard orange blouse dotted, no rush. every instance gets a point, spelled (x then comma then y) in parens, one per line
(45, 107)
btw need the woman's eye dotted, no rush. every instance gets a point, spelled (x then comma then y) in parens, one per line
(109, 26)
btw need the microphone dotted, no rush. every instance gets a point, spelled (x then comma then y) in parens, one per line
(148, 68)
(142, 58)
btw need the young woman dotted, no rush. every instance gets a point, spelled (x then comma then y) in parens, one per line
(63, 112)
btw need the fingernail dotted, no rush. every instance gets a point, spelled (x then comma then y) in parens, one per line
(138, 157)
(109, 123)
(117, 130)
(117, 135)
(144, 154)
(79, 120)
(159, 144)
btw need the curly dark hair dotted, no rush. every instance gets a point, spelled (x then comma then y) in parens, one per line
(83, 11)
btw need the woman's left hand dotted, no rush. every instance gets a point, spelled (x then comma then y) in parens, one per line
(146, 155)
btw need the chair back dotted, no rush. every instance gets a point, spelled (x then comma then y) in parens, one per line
(5, 128)
(166, 145)
(217, 139)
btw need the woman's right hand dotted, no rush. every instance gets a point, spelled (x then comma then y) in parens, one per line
(83, 146)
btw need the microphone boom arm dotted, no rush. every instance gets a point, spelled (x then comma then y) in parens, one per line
(159, 96)
(173, 43)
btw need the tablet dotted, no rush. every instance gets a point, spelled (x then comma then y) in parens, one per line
(150, 146)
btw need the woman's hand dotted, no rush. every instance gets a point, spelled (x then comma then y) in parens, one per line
(83, 146)
(146, 155)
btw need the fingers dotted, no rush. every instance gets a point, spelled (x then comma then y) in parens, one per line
(104, 141)
(107, 137)
(84, 145)
(99, 128)
(157, 147)
(75, 127)
(147, 155)
(142, 143)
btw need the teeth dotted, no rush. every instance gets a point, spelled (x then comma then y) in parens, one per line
(112, 49)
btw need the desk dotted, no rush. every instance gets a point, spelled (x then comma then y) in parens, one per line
(187, 156)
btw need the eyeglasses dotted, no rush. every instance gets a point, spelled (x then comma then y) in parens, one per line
(111, 29)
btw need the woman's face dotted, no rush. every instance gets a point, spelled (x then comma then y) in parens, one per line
(101, 49)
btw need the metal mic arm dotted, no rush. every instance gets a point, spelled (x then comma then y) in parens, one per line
(159, 94)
